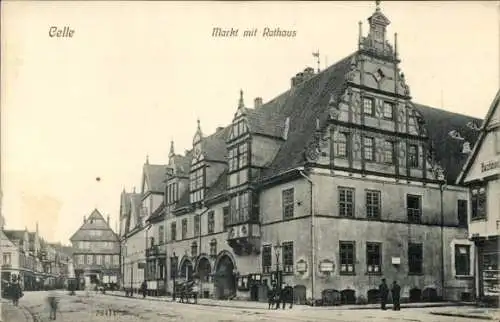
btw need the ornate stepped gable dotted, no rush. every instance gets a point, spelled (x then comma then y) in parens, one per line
(299, 120)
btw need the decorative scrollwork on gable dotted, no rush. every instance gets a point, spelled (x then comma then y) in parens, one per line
(402, 82)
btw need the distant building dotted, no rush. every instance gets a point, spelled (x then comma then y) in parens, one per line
(96, 251)
(482, 174)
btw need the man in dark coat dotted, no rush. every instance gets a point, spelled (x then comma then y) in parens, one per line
(16, 292)
(396, 292)
(144, 288)
(384, 292)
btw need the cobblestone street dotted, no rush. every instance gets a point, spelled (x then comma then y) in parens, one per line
(99, 307)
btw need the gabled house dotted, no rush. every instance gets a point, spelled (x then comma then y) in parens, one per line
(481, 175)
(96, 250)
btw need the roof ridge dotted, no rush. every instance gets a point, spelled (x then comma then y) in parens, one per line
(444, 110)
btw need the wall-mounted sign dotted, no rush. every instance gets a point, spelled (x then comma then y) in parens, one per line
(301, 266)
(490, 165)
(396, 260)
(326, 266)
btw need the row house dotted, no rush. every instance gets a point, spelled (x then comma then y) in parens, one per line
(96, 252)
(482, 175)
(30, 259)
(132, 241)
(337, 182)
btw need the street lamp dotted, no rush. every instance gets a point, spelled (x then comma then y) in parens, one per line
(277, 253)
(174, 260)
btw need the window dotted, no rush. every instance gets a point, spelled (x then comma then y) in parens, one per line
(211, 222)
(478, 203)
(238, 157)
(373, 204)
(161, 235)
(497, 142)
(346, 202)
(388, 110)
(369, 148)
(225, 217)
(239, 128)
(368, 108)
(173, 231)
(107, 259)
(240, 208)
(194, 249)
(462, 260)
(6, 259)
(347, 257)
(172, 193)
(213, 247)
(116, 259)
(98, 259)
(374, 258)
(342, 146)
(288, 257)
(415, 258)
(161, 269)
(184, 229)
(266, 258)
(413, 156)
(414, 208)
(196, 226)
(287, 202)
(389, 152)
(89, 260)
(462, 213)
(196, 184)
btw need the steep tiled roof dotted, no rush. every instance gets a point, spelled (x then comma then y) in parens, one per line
(14, 234)
(135, 210)
(262, 121)
(182, 163)
(157, 213)
(303, 105)
(94, 222)
(154, 175)
(448, 151)
(214, 146)
(218, 187)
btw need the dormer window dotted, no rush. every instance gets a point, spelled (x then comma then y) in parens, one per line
(239, 128)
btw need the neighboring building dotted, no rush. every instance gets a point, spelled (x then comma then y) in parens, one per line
(336, 183)
(11, 254)
(133, 240)
(481, 174)
(96, 250)
(24, 265)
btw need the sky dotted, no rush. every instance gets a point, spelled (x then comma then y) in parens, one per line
(136, 75)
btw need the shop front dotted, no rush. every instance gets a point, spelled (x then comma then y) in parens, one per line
(488, 270)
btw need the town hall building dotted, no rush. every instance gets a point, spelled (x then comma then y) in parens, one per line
(338, 182)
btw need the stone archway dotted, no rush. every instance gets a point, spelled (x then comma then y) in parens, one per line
(224, 278)
(186, 269)
(203, 269)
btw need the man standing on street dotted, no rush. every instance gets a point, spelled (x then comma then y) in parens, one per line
(384, 292)
(396, 292)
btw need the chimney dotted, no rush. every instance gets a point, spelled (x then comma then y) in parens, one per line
(257, 102)
(108, 220)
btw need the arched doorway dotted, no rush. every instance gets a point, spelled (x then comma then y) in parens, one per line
(186, 270)
(204, 269)
(224, 279)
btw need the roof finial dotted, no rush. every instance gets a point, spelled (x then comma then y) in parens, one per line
(199, 126)
(147, 158)
(172, 151)
(133, 189)
(377, 5)
(241, 104)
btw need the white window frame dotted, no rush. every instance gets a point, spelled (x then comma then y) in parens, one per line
(462, 242)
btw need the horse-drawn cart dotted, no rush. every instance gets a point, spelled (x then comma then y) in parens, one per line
(186, 290)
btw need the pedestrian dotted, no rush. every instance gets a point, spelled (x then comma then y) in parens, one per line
(144, 288)
(53, 302)
(383, 292)
(396, 292)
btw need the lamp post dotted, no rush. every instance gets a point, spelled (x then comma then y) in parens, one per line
(277, 253)
(174, 260)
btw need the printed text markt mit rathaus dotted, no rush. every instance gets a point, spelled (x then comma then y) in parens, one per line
(266, 32)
